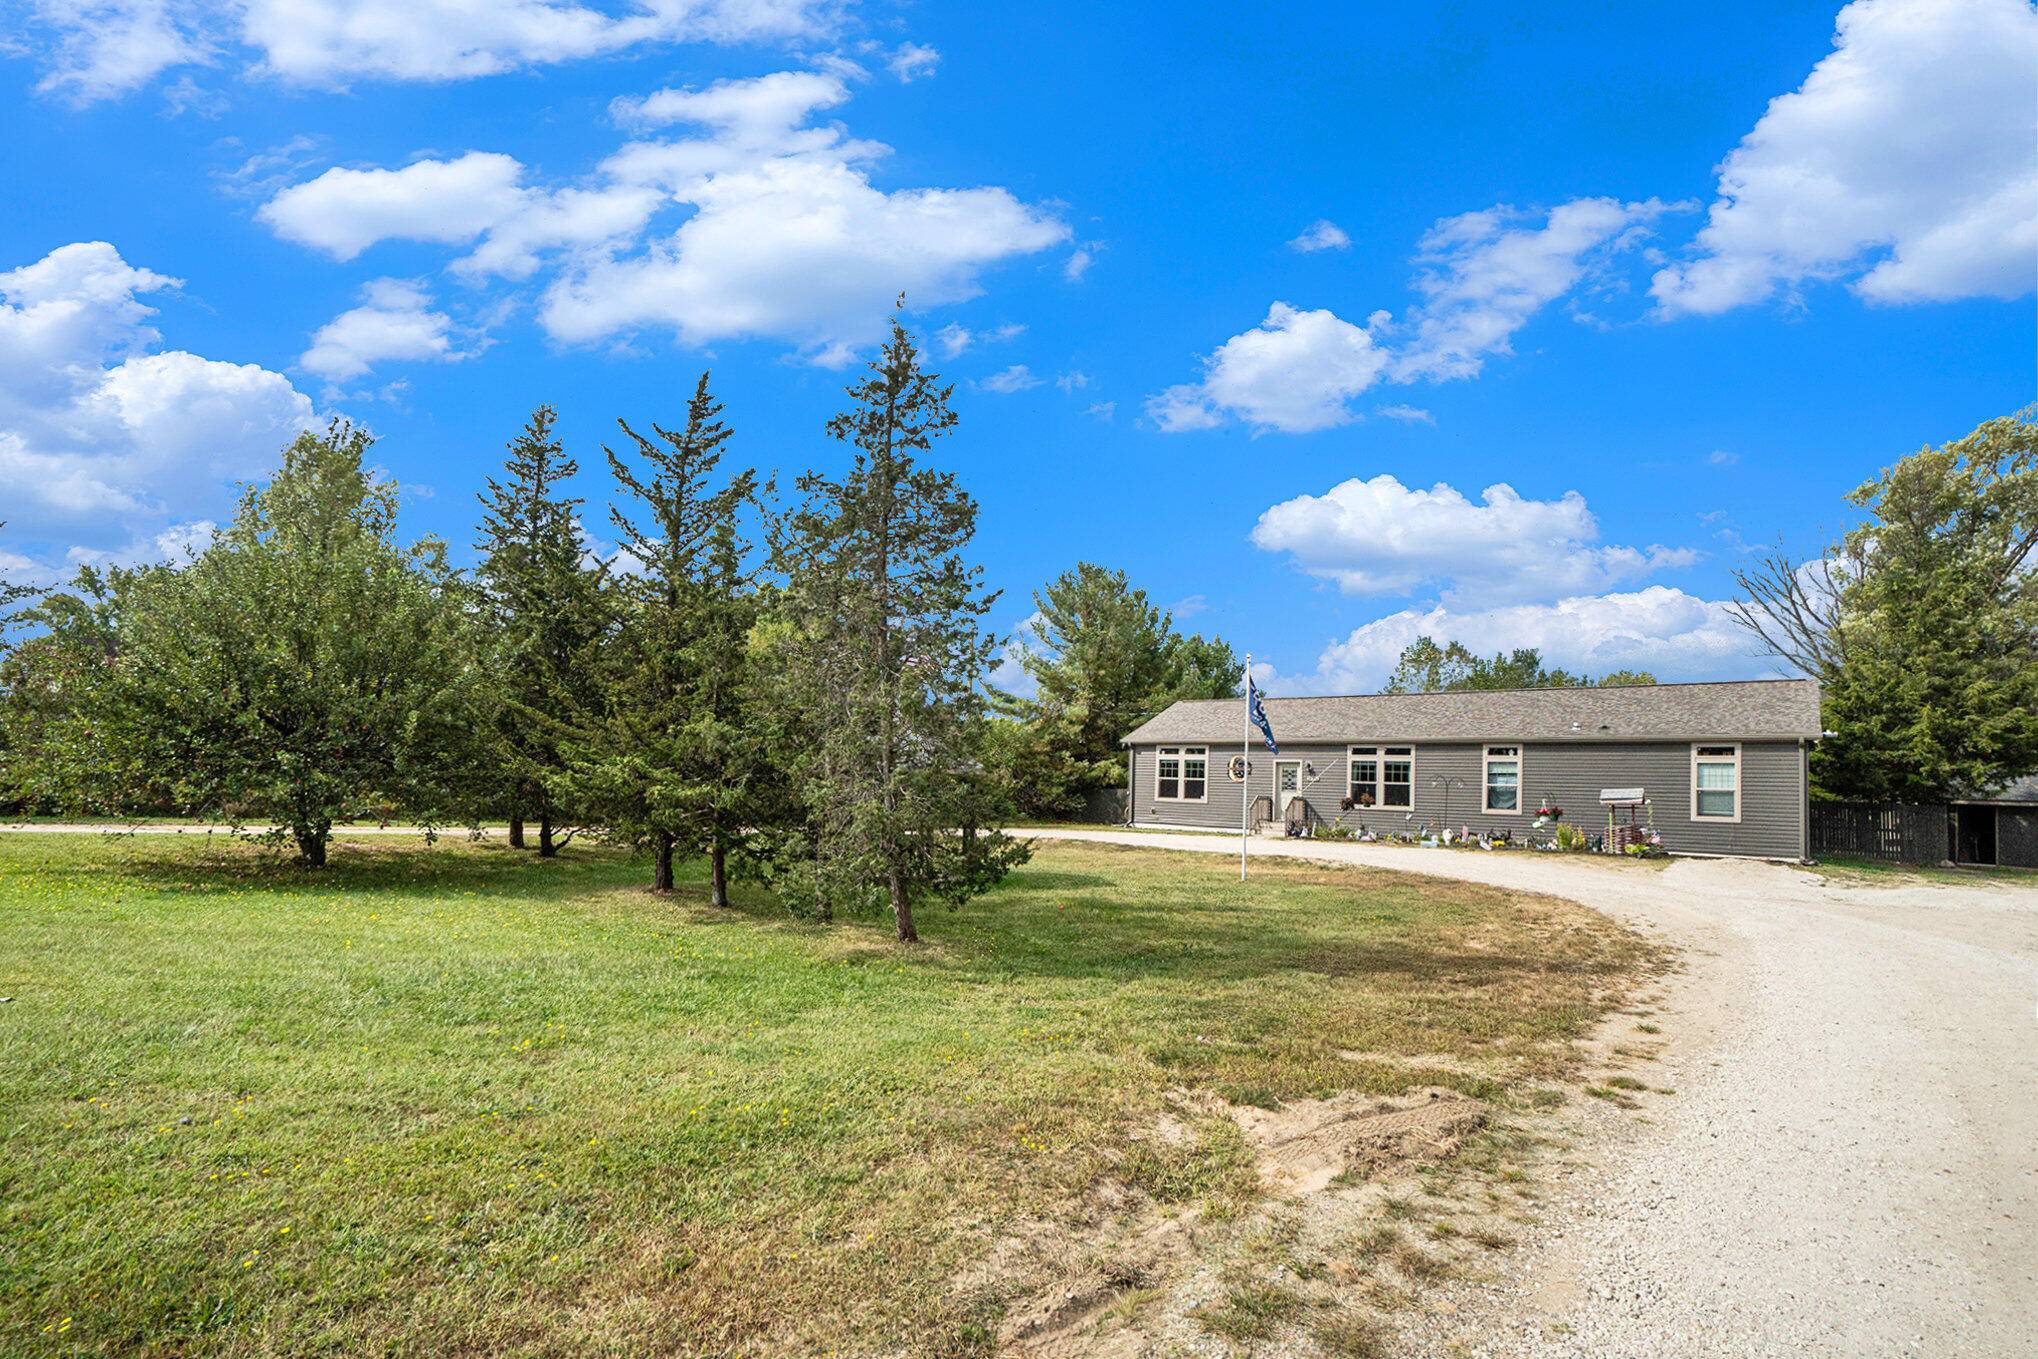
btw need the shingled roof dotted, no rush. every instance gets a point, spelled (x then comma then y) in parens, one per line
(2020, 792)
(1732, 710)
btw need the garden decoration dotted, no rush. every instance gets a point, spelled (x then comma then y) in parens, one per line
(1620, 835)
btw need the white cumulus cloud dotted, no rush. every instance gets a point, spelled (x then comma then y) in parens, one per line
(1483, 276)
(783, 234)
(755, 112)
(955, 338)
(102, 435)
(1668, 632)
(343, 212)
(1380, 537)
(801, 250)
(1017, 378)
(1906, 164)
(1322, 234)
(94, 49)
(911, 61)
(1296, 371)
(394, 321)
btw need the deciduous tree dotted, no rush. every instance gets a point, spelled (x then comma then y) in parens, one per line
(1921, 624)
(1424, 667)
(51, 756)
(305, 667)
(11, 595)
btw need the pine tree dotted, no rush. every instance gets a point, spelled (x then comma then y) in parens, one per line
(1103, 659)
(546, 610)
(670, 763)
(886, 649)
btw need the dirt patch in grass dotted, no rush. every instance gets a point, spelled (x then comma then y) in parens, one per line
(1303, 1145)
(1099, 1284)
(1155, 1230)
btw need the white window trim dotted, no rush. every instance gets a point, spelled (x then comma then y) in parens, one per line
(1520, 762)
(1379, 758)
(1184, 753)
(1735, 746)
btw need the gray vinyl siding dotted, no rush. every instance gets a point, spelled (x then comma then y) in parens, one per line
(1449, 790)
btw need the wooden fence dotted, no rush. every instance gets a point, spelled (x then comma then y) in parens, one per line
(1106, 807)
(1900, 832)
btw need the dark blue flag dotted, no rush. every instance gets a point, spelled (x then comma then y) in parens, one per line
(1256, 713)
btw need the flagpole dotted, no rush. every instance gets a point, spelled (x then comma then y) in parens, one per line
(1245, 784)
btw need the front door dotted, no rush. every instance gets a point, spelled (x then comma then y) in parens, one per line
(1287, 785)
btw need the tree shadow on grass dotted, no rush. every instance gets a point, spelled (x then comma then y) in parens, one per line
(455, 864)
(1184, 923)
(1187, 923)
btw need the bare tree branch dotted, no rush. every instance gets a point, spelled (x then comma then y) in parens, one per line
(1795, 608)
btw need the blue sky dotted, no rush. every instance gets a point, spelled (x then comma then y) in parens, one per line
(1516, 326)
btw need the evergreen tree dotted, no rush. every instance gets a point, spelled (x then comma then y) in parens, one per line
(1202, 667)
(545, 609)
(1103, 659)
(884, 647)
(304, 668)
(670, 764)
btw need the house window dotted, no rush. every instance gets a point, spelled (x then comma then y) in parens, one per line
(1503, 778)
(1382, 776)
(1181, 773)
(1716, 783)
(1397, 776)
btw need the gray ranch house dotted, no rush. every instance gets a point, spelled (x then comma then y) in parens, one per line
(1723, 767)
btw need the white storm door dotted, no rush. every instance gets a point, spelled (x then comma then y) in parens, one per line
(1287, 785)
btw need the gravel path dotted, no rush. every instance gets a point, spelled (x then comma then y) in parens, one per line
(1850, 1163)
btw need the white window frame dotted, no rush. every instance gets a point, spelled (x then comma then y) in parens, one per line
(1734, 746)
(1182, 756)
(1378, 755)
(1486, 761)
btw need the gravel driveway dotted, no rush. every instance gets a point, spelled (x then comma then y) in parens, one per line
(1850, 1163)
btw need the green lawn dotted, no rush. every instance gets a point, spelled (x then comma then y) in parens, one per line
(455, 1100)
